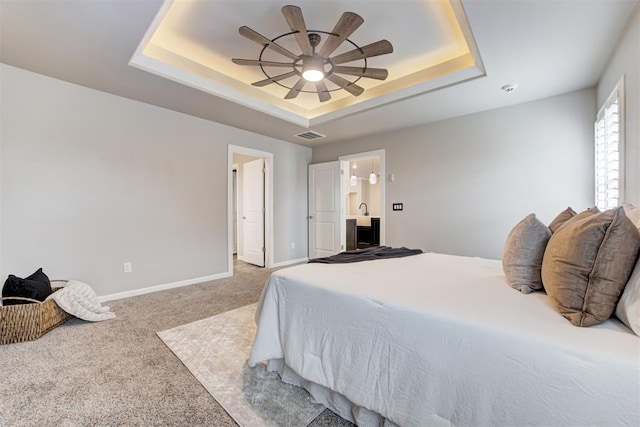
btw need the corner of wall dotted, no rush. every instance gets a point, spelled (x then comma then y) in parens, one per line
(2, 136)
(625, 60)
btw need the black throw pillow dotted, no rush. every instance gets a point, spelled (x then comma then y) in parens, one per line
(37, 286)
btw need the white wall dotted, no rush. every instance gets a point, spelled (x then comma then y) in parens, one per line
(625, 60)
(91, 180)
(465, 182)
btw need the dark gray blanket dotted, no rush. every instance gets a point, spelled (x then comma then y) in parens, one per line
(368, 254)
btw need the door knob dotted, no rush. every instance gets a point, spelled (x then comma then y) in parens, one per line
(310, 217)
(244, 217)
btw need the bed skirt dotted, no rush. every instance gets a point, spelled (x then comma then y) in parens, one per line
(335, 401)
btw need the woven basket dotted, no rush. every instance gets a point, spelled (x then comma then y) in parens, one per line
(26, 322)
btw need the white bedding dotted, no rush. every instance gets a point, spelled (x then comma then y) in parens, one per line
(443, 340)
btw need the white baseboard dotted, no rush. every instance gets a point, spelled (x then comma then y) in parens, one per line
(166, 286)
(289, 262)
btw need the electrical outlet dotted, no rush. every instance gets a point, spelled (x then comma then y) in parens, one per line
(127, 267)
(293, 245)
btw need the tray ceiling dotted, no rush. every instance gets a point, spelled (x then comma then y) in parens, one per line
(192, 42)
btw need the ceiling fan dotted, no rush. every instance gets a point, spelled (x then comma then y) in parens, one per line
(315, 66)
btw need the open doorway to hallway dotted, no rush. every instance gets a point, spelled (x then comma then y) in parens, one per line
(250, 207)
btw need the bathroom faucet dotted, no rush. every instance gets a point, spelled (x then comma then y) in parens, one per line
(366, 209)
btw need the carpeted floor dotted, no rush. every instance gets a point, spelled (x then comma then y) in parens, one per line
(119, 372)
(215, 350)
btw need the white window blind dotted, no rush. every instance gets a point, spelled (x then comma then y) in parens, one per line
(609, 151)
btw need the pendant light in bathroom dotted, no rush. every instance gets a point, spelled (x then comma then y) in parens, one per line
(354, 179)
(372, 178)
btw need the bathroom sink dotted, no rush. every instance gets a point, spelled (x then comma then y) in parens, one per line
(362, 220)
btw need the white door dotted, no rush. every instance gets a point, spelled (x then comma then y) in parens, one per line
(324, 209)
(253, 212)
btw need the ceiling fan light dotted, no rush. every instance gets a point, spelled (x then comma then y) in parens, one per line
(373, 178)
(313, 75)
(353, 180)
(313, 69)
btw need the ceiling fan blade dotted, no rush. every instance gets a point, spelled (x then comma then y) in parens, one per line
(274, 79)
(262, 40)
(345, 84)
(255, 62)
(293, 15)
(381, 47)
(295, 90)
(323, 93)
(348, 23)
(370, 73)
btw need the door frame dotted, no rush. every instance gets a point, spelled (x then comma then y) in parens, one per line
(383, 195)
(234, 208)
(268, 201)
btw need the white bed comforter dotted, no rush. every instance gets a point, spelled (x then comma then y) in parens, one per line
(443, 340)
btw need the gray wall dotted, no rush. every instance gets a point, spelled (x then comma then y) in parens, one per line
(625, 60)
(465, 182)
(91, 180)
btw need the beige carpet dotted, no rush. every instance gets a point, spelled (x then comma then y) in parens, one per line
(215, 350)
(118, 372)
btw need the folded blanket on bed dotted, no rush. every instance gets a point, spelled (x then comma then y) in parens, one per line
(368, 254)
(79, 300)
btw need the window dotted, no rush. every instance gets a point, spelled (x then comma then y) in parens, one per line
(609, 146)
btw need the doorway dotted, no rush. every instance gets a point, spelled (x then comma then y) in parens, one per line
(336, 211)
(250, 207)
(362, 200)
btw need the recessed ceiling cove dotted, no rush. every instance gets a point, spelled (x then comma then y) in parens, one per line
(194, 42)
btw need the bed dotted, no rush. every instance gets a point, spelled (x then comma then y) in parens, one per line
(438, 339)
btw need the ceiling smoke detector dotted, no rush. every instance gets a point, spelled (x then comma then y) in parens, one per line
(509, 87)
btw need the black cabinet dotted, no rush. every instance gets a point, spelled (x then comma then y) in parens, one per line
(375, 231)
(367, 235)
(352, 243)
(364, 236)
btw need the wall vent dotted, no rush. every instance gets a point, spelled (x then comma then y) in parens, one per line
(309, 135)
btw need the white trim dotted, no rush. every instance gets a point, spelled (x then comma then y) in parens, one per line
(150, 289)
(383, 188)
(345, 177)
(268, 201)
(289, 262)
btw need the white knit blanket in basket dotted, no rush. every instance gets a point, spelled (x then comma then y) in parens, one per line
(79, 300)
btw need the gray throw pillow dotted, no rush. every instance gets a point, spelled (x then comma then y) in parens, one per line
(523, 252)
(587, 264)
(561, 218)
(633, 213)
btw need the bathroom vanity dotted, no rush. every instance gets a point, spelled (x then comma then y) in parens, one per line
(362, 232)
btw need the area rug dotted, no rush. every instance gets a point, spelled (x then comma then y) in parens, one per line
(216, 349)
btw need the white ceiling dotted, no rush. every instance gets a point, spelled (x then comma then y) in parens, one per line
(434, 47)
(546, 47)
